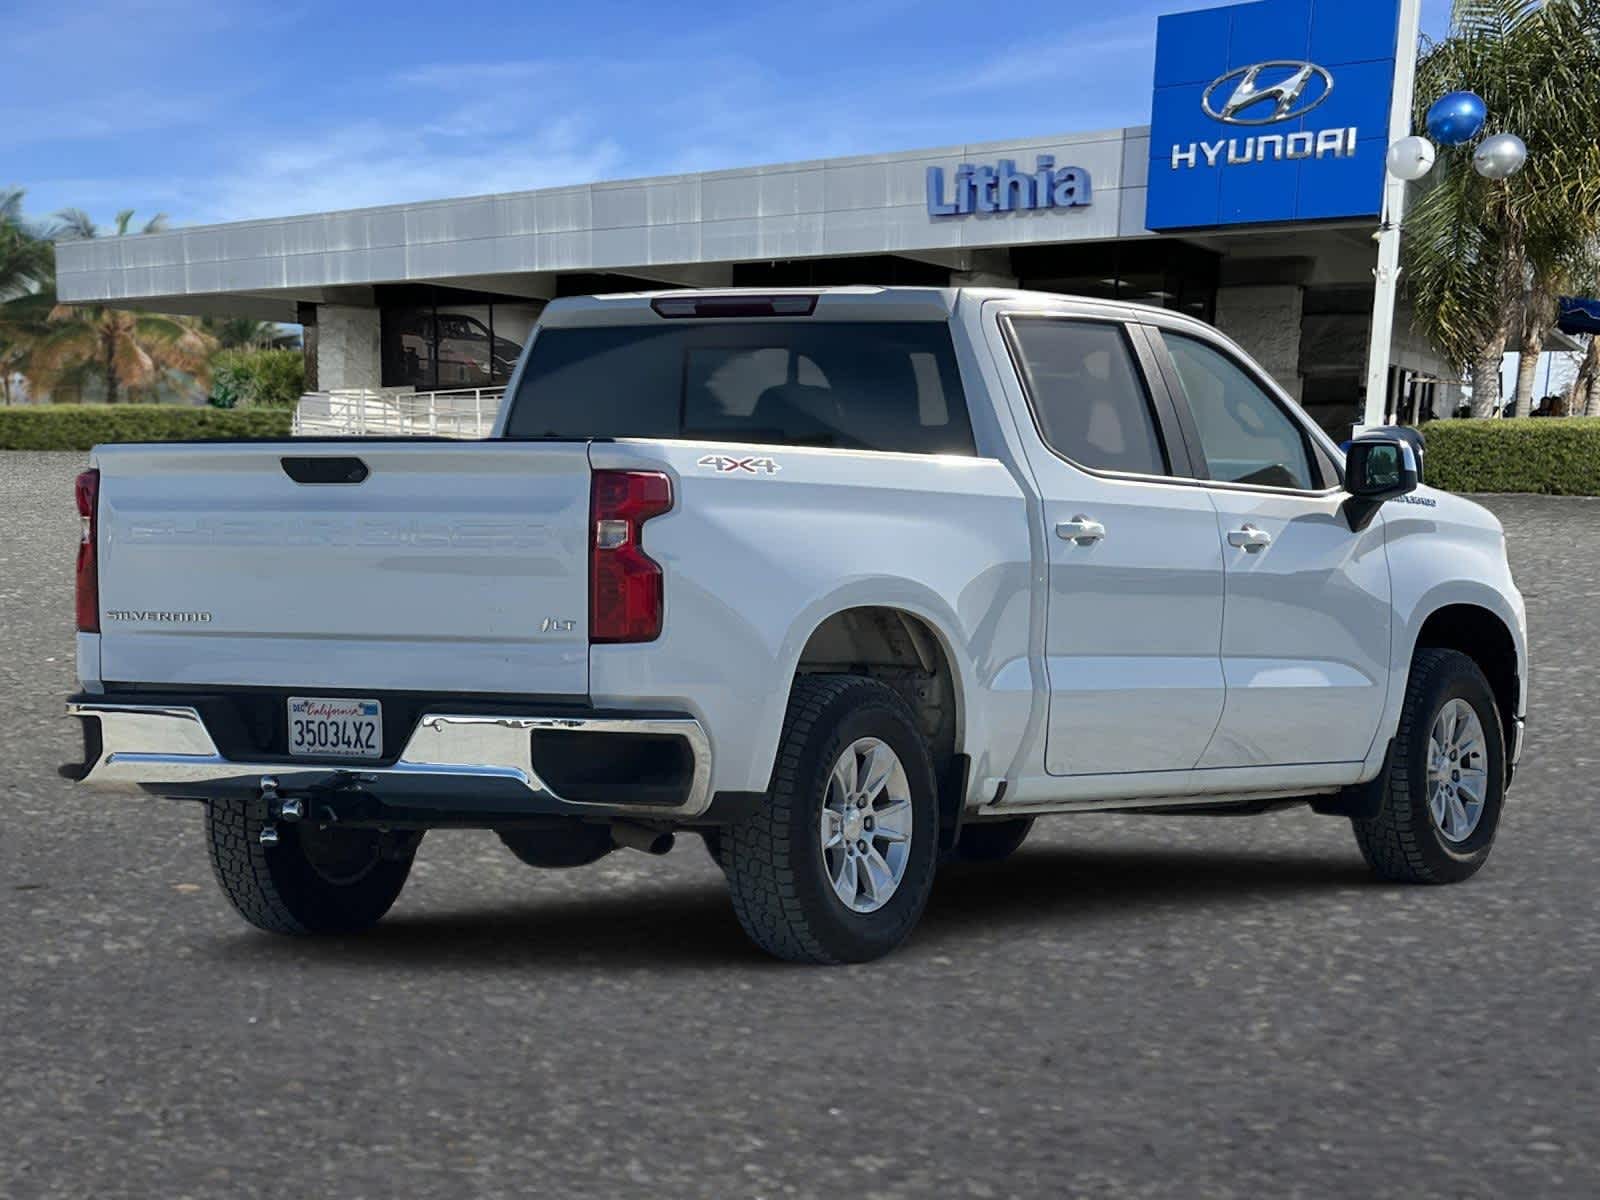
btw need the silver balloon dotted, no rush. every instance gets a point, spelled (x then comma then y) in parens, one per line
(1499, 156)
(1410, 158)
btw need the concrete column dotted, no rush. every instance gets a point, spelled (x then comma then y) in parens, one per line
(349, 353)
(1265, 320)
(306, 315)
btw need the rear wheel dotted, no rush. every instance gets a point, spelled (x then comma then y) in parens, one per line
(1446, 777)
(837, 865)
(314, 880)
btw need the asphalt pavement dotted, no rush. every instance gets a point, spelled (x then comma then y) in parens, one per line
(1132, 1006)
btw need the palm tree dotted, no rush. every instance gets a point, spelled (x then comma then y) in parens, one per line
(1583, 400)
(243, 333)
(22, 321)
(22, 257)
(1559, 263)
(1586, 387)
(129, 352)
(1485, 259)
(26, 274)
(73, 224)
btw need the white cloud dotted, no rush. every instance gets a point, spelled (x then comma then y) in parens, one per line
(87, 69)
(366, 164)
(685, 95)
(1062, 60)
(470, 77)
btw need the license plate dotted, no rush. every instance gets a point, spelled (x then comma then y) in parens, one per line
(332, 727)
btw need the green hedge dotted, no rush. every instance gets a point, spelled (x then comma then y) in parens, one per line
(1559, 456)
(257, 378)
(84, 426)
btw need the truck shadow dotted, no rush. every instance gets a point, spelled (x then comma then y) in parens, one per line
(1055, 888)
(1042, 889)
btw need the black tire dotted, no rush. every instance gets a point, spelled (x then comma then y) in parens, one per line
(313, 881)
(572, 844)
(991, 841)
(773, 858)
(1403, 843)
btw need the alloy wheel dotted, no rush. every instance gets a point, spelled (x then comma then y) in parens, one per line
(866, 825)
(1458, 781)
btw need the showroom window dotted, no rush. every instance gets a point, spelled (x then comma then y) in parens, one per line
(445, 340)
(1160, 272)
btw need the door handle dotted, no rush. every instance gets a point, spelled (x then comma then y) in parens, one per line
(1081, 530)
(1249, 538)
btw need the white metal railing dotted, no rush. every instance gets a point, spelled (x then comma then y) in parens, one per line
(397, 412)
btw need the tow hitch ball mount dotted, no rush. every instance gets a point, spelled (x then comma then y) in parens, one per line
(288, 809)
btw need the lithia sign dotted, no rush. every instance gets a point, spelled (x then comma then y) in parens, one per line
(1002, 188)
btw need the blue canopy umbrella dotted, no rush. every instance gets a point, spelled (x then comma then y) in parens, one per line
(1579, 315)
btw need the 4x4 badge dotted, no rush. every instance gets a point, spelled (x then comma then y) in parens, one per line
(728, 465)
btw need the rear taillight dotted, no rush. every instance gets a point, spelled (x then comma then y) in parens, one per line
(625, 590)
(87, 491)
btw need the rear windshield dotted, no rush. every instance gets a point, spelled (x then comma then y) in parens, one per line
(856, 386)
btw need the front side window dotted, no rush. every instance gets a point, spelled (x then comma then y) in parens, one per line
(858, 386)
(1245, 436)
(1088, 399)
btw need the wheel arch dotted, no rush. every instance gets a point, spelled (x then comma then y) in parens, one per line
(1484, 637)
(902, 648)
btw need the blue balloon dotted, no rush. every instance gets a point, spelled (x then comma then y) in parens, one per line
(1457, 118)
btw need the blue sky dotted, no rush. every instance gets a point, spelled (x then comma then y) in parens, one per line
(215, 111)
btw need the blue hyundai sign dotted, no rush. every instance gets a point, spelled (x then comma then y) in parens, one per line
(1269, 112)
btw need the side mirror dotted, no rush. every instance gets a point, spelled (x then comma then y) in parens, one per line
(1377, 469)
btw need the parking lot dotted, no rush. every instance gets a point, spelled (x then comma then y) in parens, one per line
(1133, 1006)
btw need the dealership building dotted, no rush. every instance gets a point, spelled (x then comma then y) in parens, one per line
(1254, 199)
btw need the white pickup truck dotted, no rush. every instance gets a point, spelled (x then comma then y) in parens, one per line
(850, 582)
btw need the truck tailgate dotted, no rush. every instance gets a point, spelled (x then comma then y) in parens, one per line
(456, 566)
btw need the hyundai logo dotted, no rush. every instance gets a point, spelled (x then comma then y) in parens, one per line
(1297, 88)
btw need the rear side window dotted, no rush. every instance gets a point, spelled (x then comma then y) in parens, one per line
(855, 386)
(1088, 397)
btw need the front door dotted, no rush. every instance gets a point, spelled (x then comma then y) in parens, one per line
(1135, 571)
(1305, 631)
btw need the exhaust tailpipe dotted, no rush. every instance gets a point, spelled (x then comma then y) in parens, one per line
(641, 837)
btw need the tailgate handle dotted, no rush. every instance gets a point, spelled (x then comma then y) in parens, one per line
(325, 468)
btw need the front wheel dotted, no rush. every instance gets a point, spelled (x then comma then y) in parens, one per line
(315, 880)
(837, 864)
(1446, 777)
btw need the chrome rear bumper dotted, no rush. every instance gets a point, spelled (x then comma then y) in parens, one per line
(169, 751)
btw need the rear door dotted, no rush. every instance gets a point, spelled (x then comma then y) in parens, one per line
(1135, 573)
(423, 566)
(1305, 634)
